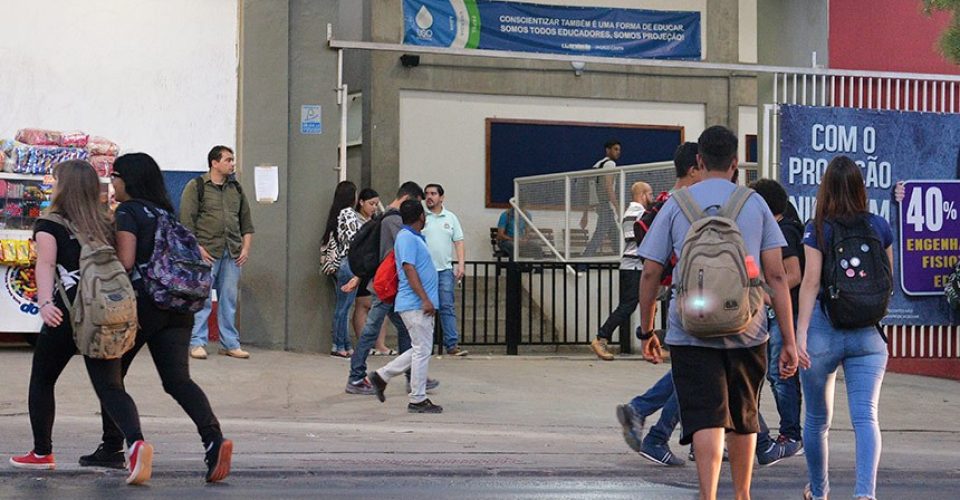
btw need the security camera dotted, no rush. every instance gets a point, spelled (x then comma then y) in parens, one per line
(578, 67)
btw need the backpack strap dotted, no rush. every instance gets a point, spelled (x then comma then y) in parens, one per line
(731, 209)
(59, 219)
(688, 205)
(201, 186)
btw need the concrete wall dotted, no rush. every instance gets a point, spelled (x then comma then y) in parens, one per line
(283, 65)
(157, 76)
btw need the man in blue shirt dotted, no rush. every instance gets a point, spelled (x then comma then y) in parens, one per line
(417, 292)
(718, 379)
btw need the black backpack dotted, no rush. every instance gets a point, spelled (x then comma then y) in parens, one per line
(364, 253)
(856, 278)
(643, 225)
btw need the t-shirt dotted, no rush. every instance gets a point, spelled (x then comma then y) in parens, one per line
(509, 224)
(630, 261)
(760, 233)
(348, 223)
(793, 232)
(390, 225)
(411, 248)
(68, 259)
(442, 231)
(598, 193)
(139, 218)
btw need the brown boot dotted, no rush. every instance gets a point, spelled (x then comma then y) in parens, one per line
(599, 346)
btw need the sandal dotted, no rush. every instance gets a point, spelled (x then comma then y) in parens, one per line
(340, 354)
(389, 352)
(808, 494)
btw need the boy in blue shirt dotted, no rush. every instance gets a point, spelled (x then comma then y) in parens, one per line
(417, 292)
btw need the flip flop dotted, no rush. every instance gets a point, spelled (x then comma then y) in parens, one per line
(374, 352)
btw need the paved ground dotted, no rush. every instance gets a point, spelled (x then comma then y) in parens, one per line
(513, 427)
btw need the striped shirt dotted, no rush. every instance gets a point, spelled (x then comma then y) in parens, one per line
(630, 260)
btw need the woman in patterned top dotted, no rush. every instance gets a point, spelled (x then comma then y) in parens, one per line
(342, 224)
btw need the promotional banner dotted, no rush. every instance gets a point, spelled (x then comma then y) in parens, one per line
(524, 27)
(889, 147)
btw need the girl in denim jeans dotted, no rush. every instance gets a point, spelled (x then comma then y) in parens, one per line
(823, 348)
(342, 225)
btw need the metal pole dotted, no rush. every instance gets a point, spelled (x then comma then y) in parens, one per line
(344, 107)
(567, 203)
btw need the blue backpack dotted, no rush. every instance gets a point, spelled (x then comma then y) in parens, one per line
(176, 278)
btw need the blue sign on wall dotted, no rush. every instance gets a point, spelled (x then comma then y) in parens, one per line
(889, 146)
(311, 119)
(524, 27)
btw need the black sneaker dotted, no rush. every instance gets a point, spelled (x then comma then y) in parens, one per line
(425, 406)
(218, 456)
(104, 458)
(379, 385)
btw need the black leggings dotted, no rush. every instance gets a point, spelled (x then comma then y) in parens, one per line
(53, 351)
(168, 336)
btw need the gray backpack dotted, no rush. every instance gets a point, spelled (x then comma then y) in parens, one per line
(104, 313)
(716, 296)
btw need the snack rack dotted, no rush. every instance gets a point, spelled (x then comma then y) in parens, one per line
(22, 199)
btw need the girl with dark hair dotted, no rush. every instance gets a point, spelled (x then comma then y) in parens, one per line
(822, 348)
(142, 194)
(76, 198)
(368, 206)
(342, 224)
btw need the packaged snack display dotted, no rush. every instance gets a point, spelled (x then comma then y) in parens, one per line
(23, 282)
(102, 146)
(38, 137)
(9, 250)
(103, 164)
(75, 139)
(39, 160)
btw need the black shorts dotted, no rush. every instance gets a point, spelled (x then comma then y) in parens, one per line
(362, 290)
(718, 388)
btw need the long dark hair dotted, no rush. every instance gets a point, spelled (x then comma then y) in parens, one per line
(842, 194)
(344, 197)
(142, 179)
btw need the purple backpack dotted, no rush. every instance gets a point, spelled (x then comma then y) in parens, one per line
(176, 278)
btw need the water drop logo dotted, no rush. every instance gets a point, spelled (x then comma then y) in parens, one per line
(424, 22)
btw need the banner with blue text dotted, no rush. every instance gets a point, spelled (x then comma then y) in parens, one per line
(525, 27)
(889, 147)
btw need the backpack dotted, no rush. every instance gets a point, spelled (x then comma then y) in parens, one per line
(364, 253)
(643, 225)
(952, 288)
(176, 278)
(202, 186)
(856, 279)
(103, 315)
(719, 291)
(387, 281)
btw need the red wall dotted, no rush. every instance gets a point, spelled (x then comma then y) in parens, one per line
(887, 35)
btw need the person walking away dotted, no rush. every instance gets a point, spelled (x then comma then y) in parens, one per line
(661, 396)
(603, 200)
(390, 224)
(444, 237)
(786, 392)
(342, 224)
(718, 370)
(140, 189)
(368, 207)
(214, 207)
(846, 288)
(76, 200)
(417, 292)
(630, 267)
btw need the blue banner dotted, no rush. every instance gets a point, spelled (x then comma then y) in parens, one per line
(524, 27)
(889, 146)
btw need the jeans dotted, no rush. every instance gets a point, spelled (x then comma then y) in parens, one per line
(507, 246)
(371, 330)
(168, 336)
(786, 393)
(863, 355)
(448, 316)
(226, 279)
(417, 359)
(629, 297)
(341, 313)
(661, 395)
(606, 230)
(55, 348)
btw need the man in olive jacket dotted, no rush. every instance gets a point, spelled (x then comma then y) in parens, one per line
(214, 208)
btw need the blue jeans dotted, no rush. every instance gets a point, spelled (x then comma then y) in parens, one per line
(863, 355)
(341, 312)
(226, 279)
(661, 395)
(605, 231)
(378, 312)
(448, 316)
(786, 393)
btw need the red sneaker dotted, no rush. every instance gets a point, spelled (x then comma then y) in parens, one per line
(140, 462)
(33, 461)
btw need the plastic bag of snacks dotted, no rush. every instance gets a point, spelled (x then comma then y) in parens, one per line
(38, 137)
(75, 139)
(102, 146)
(8, 249)
(39, 160)
(103, 164)
(23, 253)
